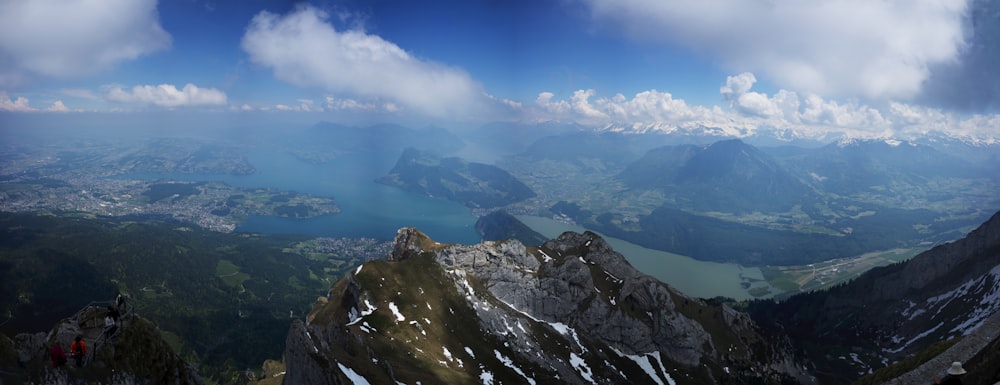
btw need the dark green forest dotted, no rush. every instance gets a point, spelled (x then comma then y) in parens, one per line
(224, 301)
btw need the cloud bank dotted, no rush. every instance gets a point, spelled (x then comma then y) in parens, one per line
(304, 49)
(166, 95)
(786, 113)
(67, 38)
(849, 48)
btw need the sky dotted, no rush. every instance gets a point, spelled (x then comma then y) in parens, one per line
(822, 68)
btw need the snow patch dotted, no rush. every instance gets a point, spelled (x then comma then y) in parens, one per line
(354, 316)
(469, 351)
(647, 366)
(510, 364)
(395, 312)
(486, 377)
(358, 270)
(914, 339)
(581, 366)
(545, 257)
(355, 378)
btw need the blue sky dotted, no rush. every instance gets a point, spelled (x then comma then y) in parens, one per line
(820, 69)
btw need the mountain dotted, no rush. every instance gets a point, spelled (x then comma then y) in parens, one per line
(726, 176)
(470, 183)
(136, 354)
(893, 312)
(331, 138)
(864, 166)
(512, 138)
(569, 311)
(499, 226)
(593, 150)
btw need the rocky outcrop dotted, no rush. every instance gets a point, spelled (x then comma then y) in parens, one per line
(569, 311)
(135, 355)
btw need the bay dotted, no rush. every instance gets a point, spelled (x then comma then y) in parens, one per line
(368, 209)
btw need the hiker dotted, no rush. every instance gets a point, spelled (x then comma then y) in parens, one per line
(113, 313)
(58, 356)
(110, 326)
(120, 302)
(954, 375)
(78, 350)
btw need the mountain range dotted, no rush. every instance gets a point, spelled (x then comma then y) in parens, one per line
(574, 311)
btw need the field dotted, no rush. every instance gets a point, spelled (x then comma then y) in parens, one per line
(814, 276)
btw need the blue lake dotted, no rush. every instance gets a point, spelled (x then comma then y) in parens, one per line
(368, 209)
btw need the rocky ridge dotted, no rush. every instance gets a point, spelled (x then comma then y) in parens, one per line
(569, 311)
(896, 311)
(135, 355)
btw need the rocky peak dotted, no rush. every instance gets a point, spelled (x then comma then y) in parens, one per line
(571, 311)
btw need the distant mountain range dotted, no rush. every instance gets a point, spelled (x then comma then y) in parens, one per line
(728, 176)
(774, 205)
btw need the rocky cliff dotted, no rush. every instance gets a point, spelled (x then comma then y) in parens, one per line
(569, 311)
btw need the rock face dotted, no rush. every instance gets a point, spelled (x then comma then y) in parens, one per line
(569, 311)
(892, 312)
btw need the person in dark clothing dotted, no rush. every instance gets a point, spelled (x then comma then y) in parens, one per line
(954, 376)
(58, 356)
(78, 350)
(113, 313)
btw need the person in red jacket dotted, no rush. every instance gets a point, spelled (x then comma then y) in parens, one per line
(58, 356)
(78, 350)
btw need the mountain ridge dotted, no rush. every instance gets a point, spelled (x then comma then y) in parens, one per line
(532, 306)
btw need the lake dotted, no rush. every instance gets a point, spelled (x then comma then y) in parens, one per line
(377, 211)
(368, 209)
(690, 276)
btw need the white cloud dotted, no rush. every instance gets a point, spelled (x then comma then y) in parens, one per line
(304, 48)
(871, 49)
(748, 113)
(20, 104)
(166, 95)
(63, 38)
(57, 106)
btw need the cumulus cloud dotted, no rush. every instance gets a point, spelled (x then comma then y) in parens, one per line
(57, 106)
(871, 49)
(64, 38)
(305, 49)
(786, 114)
(166, 95)
(20, 104)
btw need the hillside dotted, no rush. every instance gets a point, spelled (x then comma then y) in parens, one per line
(892, 312)
(569, 311)
(225, 299)
(473, 184)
